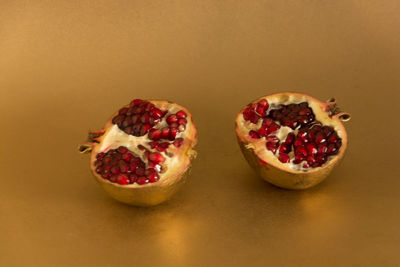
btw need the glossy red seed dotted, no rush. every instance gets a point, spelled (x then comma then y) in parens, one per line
(182, 121)
(155, 157)
(118, 119)
(301, 150)
(284, 157)
(298, 158)
(267, 122)
(263, 103)
(153, 144)
(142, 180)
(145, 118)
(254, 134)
(156, 113)
(136, 102)
(332, 138)
(319, 138)
(284, 148)
(261, 110)
(331, 150)
(273, 128)
(263, 131)
(127, 157)
(172, 119)
(122, 150)
(254, 118)
(311, 149)
(290, 138)
(140, 171)
(144, 129)
(178, 142)
(165, 133)
(123, 111)
(172, 134)
(322, 148)
(298, 142)
(115, 170)
(310, 160)
(327, 130)
(181, 114)
(247, 113)
(321, 159)
(123, 179)
(305, 111)
(154, 134)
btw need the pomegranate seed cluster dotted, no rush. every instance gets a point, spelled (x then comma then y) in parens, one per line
(141, 117)
(123, 167)
(309, 144)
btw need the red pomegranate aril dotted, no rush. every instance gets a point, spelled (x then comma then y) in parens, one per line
(284, 157)
(122, 150)
(332, 138)
(321, 159)
(305, 111)
(156, 113)
(331, 150)
(172, 119)
(284, 148)
(290, 138)
(311, 135)
(263, 131)
(132, 178)
(311, 149)
(273, 128)
(181, 114)
(319, 138)
(115, 170)
(311, 160)
(302, 135)
(172, 134)
(322, 148)
(155, 157)
(153, 144)
(165, 133)
(123, 179)
(182, 121)
(142, 180)
(155, 134)
(254, 118)
(263, 103)
(123, 167)
(118, 119)
(136, 102)
(298, 142)
(247, 113)
(298, 158)
(145, 118)
(140, 171)
(301, 150)
(178, 142)
(327, 130)
(268, 122)
(261, 110)
(254, 134)
(123, 111)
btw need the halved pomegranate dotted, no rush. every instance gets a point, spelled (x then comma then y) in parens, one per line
(292, 140)
(142, 153)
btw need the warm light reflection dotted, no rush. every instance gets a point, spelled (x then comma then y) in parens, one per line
(173, 238)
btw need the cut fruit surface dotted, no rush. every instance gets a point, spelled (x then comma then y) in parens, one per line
(146, 146)
(293, 133)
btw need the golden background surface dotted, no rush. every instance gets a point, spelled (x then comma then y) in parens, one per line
(66, 66)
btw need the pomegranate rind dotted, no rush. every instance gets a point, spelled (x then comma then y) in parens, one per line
(268, 166)
(170, 181)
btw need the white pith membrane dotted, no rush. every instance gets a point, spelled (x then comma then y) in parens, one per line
(177, 159)
(259, 145)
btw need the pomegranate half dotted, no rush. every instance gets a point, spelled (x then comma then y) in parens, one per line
(292, 140)
(143, 152)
